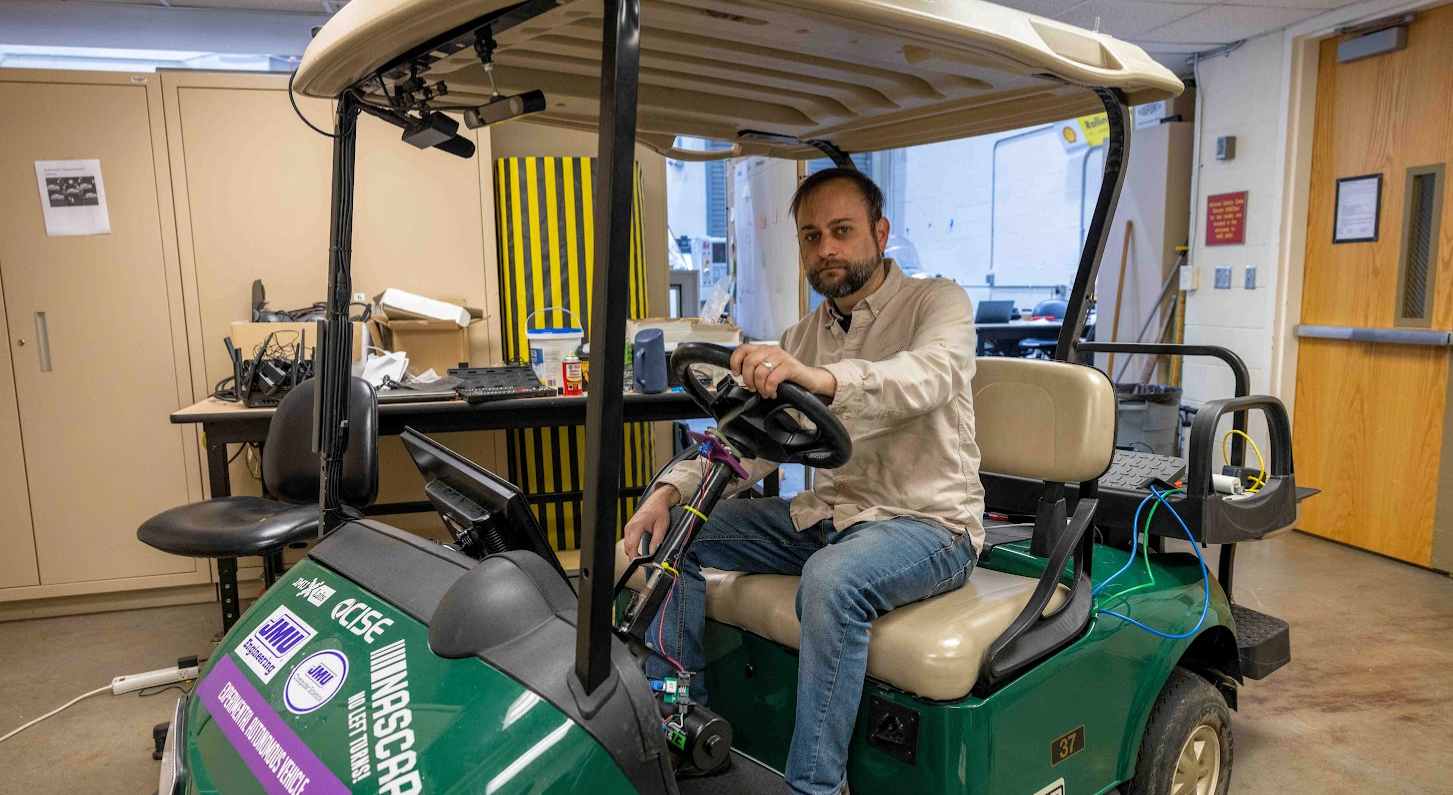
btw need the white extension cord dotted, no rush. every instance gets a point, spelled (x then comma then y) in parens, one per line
(161, 676)
(119, 685)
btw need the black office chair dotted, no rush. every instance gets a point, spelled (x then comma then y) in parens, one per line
(1035, 348)
(234, 527)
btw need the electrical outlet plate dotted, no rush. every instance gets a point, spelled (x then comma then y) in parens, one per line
(1223, 277)
(1189, 274)
(1251, 277)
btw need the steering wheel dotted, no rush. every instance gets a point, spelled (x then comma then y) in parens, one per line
(762, 427)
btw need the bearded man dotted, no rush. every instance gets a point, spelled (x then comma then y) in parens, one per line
(901, 521)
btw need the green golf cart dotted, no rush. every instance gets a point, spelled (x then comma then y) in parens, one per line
(1088, 653)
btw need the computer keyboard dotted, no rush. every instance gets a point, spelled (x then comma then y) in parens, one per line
(486, 394)
(487, 384)
(1131, 470)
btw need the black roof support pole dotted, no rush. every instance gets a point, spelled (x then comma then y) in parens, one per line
(838, 157)
(609, 299)
(330, 407)
(1117, 149)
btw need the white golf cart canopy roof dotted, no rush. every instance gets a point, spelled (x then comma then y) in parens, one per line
(864, 75)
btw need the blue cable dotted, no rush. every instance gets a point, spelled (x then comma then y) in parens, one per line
(1134, 547)
(1205, 575)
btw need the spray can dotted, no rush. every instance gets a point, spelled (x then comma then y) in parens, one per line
(574, 379)
(630, 379)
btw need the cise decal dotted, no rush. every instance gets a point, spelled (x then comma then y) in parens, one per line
(360, 619)
(1057, 788)
(269, 647)
(314, 681)
(279, 760)
(313, 590)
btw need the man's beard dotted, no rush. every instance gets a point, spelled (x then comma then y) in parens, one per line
(856, 273)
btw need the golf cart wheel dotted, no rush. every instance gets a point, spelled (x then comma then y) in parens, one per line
(1187, 746)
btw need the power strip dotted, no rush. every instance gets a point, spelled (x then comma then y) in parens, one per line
(161, 676)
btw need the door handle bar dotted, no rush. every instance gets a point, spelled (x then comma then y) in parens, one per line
(42, 339)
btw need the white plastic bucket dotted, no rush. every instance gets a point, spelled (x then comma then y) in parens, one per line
(550, 346)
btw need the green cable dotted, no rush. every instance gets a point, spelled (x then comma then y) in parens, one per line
(1144, 552)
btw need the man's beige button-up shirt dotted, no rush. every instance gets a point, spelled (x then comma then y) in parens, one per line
(903, 371)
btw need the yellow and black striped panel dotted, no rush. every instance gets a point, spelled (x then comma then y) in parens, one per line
(546, 236)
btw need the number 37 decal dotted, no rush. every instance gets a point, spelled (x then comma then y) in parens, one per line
(1067, 746)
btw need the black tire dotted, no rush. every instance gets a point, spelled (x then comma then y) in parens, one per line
(1188, 706)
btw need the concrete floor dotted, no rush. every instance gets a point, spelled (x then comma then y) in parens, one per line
(1366, 705)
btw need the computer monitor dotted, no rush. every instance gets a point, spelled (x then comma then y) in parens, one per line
(993, 311)
(486, 514)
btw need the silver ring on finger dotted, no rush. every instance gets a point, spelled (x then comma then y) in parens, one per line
(767, 365)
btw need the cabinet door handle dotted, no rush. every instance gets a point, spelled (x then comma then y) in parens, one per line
(42, 338)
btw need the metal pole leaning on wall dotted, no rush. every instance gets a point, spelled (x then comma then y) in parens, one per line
(330, 399)
(604, 429)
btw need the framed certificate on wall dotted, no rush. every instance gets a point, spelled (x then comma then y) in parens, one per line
(1359, 203)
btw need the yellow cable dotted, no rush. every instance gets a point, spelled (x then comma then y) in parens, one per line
(667, 568)
(1260, 479)
(693, 510)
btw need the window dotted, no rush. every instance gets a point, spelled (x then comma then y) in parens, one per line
(1004, 215)
(105, 59)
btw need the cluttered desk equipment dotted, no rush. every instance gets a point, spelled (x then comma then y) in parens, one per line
(225, 423)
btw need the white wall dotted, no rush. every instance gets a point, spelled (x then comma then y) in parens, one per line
(1032, 202)
(768, 268)
(686, 193)
(1240, 95)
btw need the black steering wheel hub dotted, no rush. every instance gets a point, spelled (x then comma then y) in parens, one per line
(796, 427)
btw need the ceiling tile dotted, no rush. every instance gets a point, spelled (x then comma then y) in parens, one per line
(1316, 5)
(1223, 24)
(1126, 19)
(1043, 8)
(295, 6)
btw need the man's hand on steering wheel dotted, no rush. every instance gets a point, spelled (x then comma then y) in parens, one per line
(763, 367)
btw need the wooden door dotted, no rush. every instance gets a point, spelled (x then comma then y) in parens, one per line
(1369, 415)
(99, 451)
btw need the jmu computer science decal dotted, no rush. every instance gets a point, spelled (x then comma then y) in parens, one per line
(314, 681)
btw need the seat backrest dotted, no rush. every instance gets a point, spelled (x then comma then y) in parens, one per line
(289, 465)
(1052, 307)
(1050, 421)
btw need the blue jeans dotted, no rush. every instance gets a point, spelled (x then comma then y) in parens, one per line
(849, 578)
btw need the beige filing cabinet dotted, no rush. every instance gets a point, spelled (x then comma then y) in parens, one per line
(95, 344)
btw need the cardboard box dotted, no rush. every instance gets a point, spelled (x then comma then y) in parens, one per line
(676, 330)
(248, 337)
(403, 305)
(430, 344)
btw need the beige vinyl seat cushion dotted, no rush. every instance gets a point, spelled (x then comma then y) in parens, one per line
(932, 649)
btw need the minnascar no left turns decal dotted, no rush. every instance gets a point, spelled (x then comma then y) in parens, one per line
(378, 725)
(269, 647)
(274, 754)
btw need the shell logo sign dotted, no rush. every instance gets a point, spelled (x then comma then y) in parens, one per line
(1083, 133)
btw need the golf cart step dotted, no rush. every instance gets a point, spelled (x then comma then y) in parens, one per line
(745, 776)
(1265, 641)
